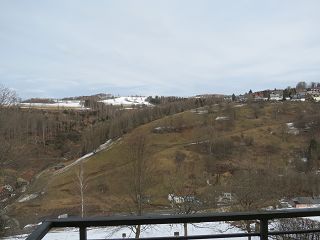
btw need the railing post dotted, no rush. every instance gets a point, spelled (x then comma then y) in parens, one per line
(264, 229)
(83, 233)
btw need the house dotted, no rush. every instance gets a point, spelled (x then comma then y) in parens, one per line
(5, 192)
(313, 91)
(300, 96)
(228, 98)
(276, 95)
(305, 202)
(314, 94)
(261, 95)
(225, 199)
(285, 203)
(21, 182)
(242, 98)
(316, 98)
(173, 199)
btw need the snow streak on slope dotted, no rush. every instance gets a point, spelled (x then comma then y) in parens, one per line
(103, 146)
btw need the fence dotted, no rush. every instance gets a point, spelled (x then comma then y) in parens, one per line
(262, 217)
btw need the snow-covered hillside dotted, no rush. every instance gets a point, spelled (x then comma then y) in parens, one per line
(127, 101)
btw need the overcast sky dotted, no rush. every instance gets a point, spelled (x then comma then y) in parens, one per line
(70, 48)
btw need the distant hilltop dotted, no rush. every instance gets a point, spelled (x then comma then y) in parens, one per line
(210, 95)
(99, 96)
(301, 92)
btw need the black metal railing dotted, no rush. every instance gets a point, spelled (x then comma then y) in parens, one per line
(262, 217)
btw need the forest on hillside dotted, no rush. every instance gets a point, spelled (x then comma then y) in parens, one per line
(32, 140)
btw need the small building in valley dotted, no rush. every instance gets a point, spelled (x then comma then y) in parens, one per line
(306, 202)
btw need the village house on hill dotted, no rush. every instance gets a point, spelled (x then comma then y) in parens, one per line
(276, 95)
(261, 95)
(314, 94)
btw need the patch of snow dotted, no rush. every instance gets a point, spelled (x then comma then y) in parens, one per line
(316, 218)
(240, 105)
(127, 101)
(298, 100)
(221, 118)
(32, 225)
(74, 163)
(276, 98)
(104, 146)
(17, 237)
(292, 129)
(304, 159)
(195, 143)
(28, 197)
(199, 111)
(164, 129)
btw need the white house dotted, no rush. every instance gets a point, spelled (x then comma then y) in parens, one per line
(276, 95)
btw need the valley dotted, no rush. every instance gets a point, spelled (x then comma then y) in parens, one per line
(210, 158)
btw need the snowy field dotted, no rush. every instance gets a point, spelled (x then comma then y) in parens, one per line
(75, 104)
(127, 101)
(164, 230)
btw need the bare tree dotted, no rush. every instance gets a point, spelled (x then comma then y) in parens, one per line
(2, 224)
(251, 192)
(301, 86)
(7, 96)
(82, 182)
(5, 152)
(183, 195)
(139, 176)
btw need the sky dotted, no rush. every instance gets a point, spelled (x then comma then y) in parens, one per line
(63, 48)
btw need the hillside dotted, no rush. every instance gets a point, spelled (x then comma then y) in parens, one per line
(199, 152)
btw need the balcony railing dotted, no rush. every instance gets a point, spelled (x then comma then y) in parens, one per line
(262, 217)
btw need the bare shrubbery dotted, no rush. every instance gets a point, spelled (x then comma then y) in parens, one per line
(297, 224)
(220, 147)
(2, 225)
